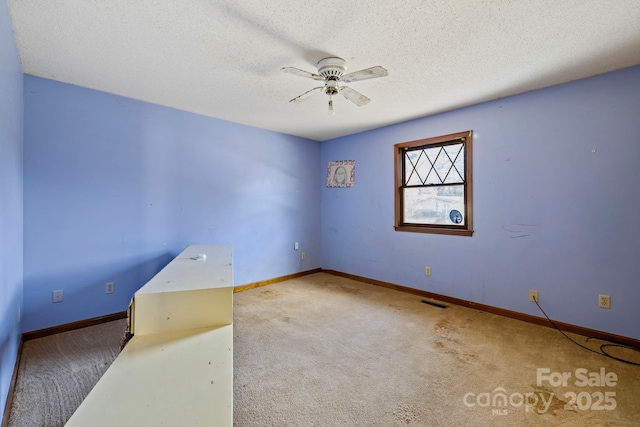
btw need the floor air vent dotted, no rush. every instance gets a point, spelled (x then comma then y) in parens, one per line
(433, 303)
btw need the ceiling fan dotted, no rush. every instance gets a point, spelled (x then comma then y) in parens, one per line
(332, 71)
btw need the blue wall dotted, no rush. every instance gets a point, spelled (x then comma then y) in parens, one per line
(549, 214)
(11, 109)
(115, 188)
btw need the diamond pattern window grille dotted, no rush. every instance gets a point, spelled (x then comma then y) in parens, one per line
(435, 165)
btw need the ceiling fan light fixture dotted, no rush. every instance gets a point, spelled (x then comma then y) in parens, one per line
(332, 71)
(331, 87)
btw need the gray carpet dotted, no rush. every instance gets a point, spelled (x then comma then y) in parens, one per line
(57, 372)
(327, 351)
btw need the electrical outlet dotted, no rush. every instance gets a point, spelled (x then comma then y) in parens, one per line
(57, 296)
(303, 255)
(533, 296)
(110, 287)
(604, 301)
(296, 246)
(427, 271)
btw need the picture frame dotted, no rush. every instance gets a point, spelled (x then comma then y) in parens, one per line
(341, 173)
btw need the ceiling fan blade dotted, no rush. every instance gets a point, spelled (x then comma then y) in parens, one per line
(307, 94)
(367, 73)
(301, 73)
(354, 96)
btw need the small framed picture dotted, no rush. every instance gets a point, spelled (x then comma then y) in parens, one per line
(341, 173)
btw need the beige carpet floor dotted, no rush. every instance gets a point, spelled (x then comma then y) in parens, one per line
(324, 351)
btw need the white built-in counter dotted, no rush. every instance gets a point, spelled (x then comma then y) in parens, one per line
(177, 369)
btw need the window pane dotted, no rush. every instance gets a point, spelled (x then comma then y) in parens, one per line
(455, 172)
(412, 162)
(434, 205)
(442, 166)
(433, 155)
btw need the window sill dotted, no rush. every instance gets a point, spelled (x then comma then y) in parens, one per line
(433, 230)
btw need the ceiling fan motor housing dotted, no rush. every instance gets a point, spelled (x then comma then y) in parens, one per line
(332, 67)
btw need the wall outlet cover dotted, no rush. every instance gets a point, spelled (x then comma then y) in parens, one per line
(604, 301)
(57, 296)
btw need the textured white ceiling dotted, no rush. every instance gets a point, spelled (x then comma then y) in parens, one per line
(223, 58)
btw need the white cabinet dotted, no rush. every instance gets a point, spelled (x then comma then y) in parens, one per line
(177, 370)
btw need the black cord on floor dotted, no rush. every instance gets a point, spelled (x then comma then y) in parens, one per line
(602, 351)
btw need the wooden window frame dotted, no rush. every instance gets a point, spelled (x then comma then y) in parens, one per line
(398, 154)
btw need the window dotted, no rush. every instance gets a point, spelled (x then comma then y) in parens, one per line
(433, 185)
